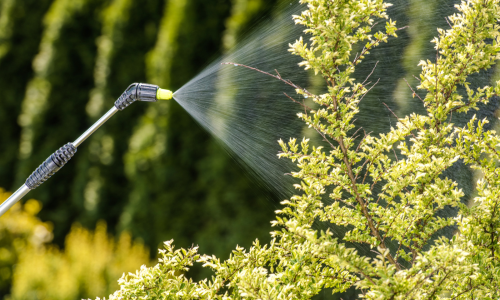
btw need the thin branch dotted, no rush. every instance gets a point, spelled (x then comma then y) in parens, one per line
(279, 75)
(420, 282)
(363, 139)
(397, 118)
(373, 70)
(417, 78)
(439, 285)
(298, 102)
(369, 90)
(374, 25)
(365, 49)
(414, 93)
(435, 71)
(394, 151)
(448, 21)
(324, 137)
(356, 131)
(467, 290)
(287, 81)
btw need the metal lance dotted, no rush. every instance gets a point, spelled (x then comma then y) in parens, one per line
(135, 92)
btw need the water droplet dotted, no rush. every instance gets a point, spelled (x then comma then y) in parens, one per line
(305, 96)
(235, 65)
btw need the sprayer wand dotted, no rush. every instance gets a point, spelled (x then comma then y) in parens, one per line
(135, 92)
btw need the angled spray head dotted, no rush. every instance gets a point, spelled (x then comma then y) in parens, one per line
(142, 92)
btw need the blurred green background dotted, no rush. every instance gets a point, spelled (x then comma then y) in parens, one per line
(150, 174)
(151, 171)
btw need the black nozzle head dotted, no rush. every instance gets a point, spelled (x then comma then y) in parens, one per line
(137, 92)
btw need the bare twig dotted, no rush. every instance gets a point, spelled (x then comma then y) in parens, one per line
(373, 70)
(417, 78)
(369, 90)
(279, 75)
(397, 160)
(396, 117)
(448, 21)
(287, 81)
(414, 93)
(374, 25)
(356, 131)
(370, 46)
(298, 102)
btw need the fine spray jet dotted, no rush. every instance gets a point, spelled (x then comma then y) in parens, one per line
(135, 92)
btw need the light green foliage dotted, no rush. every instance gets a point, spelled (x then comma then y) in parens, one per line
(32, 268)
(87, 267)
(20, 230)
(400, 220)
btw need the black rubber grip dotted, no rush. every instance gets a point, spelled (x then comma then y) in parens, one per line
(137, 92)
(50, 166)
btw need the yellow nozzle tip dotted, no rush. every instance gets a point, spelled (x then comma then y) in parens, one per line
(162, 94)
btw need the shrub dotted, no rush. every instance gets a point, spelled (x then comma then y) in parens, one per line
(32, 268)
(88, 266)
(400, 220)
(20, 230)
